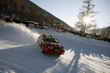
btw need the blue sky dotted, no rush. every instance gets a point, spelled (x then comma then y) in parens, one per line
(67, 10)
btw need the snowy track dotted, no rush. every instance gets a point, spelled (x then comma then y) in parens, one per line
(82, 55)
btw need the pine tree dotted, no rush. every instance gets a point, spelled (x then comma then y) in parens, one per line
(86, 17)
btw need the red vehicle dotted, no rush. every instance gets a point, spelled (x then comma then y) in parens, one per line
(51, 46)
(52, 49)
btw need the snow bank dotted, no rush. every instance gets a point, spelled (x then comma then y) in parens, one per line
(16, 34)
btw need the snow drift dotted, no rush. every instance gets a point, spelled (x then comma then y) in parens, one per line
(16, 34)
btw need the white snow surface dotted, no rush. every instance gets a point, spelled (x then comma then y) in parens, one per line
(19, 53)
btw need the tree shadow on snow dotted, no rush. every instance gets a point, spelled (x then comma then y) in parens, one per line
(74, 66)
(71, 63)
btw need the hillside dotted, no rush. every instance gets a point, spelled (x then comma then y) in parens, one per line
(25, 10)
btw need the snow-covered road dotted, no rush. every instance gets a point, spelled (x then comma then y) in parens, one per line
(82, 56)
(19, 54)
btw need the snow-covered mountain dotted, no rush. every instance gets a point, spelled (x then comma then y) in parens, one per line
(19, 53)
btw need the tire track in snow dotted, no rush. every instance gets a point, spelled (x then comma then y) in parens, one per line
(95, 64)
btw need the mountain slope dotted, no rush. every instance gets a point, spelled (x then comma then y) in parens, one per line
(25, 10)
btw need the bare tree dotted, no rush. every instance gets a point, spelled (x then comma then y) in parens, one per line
(86, 20)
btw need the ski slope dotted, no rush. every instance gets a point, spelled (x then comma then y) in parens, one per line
(19, 53)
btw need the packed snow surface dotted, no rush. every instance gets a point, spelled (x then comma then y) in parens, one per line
(19, 53)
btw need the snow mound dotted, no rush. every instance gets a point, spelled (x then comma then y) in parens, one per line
(16, 35)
